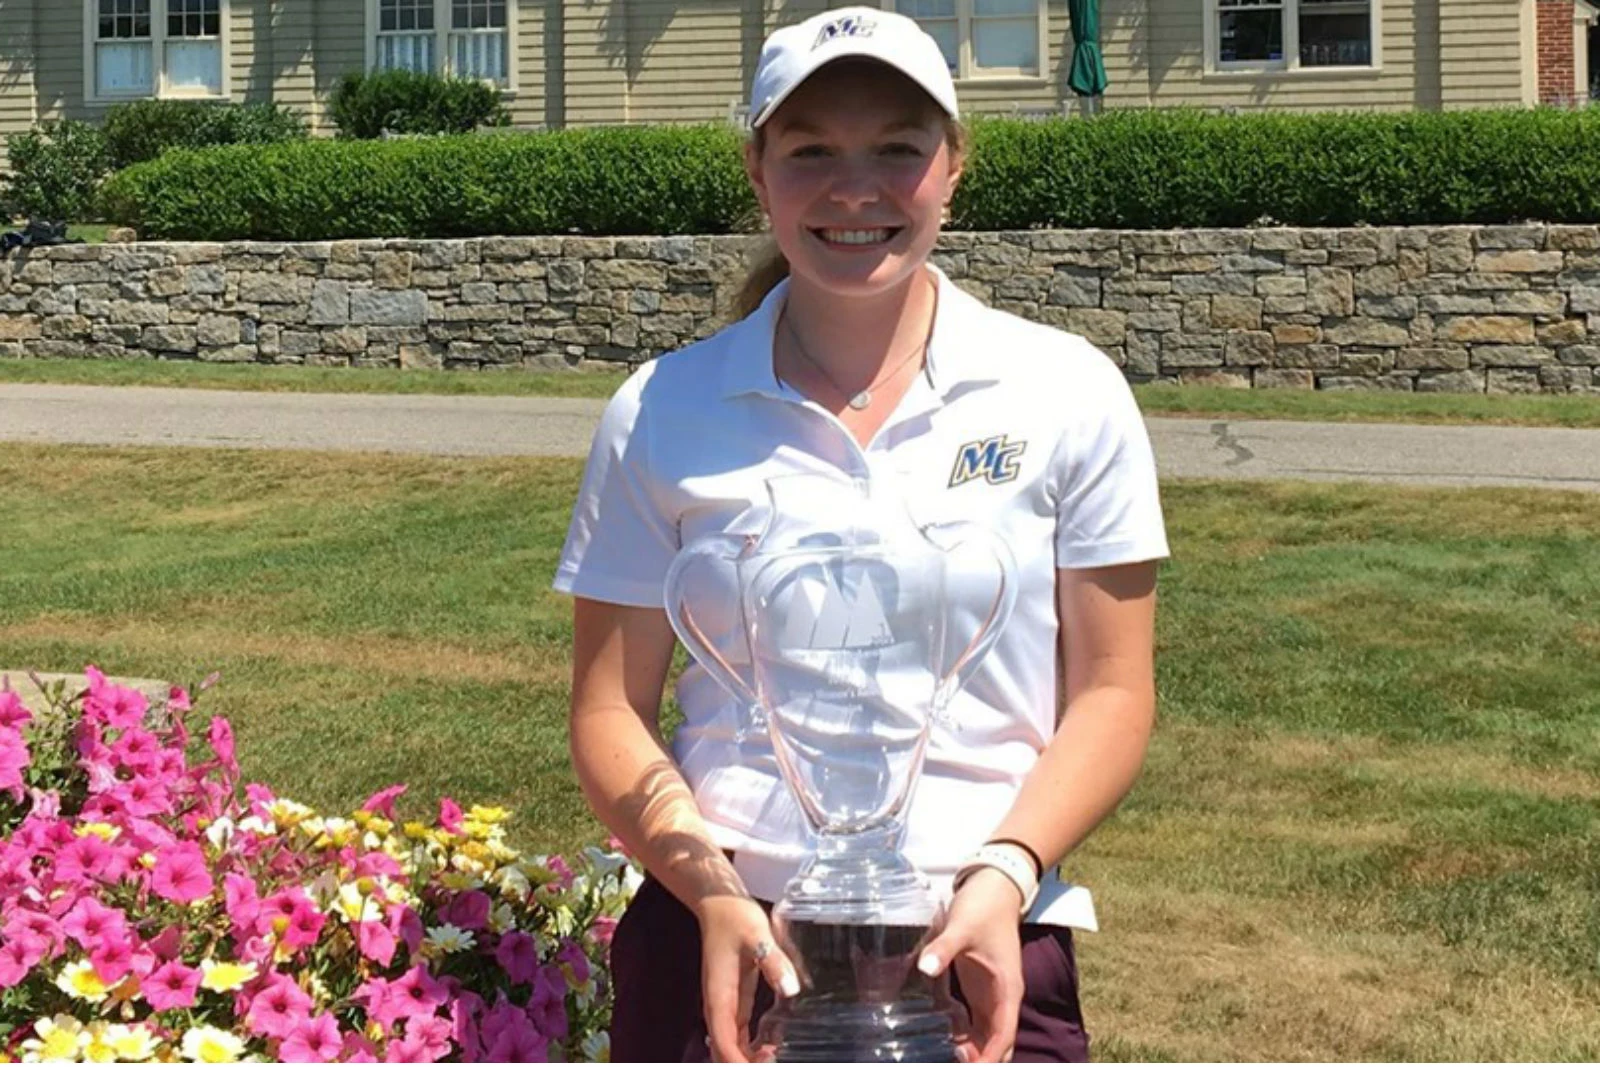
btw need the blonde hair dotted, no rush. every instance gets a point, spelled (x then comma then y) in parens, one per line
(769, 266)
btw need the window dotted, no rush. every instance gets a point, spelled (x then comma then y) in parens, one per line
(1291, 34)
(984, 38)
(464, 38)
(142, 48)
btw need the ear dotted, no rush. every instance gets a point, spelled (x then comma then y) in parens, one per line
(958, 166)
(753, 171)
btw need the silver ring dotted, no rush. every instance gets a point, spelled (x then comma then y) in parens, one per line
(762, 950)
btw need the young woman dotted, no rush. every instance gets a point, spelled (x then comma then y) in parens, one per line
(863, 360)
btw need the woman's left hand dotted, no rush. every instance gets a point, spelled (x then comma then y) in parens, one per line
(983, 937)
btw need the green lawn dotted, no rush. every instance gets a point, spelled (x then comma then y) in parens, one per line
(1576, 411)
(1369, 828)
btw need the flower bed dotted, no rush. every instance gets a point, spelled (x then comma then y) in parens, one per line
(155, 907)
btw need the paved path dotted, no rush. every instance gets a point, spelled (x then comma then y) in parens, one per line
(504, 426)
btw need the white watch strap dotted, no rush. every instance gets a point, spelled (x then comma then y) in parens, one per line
(1009, 860)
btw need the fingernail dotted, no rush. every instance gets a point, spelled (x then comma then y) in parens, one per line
(928, 964)
(790, 984)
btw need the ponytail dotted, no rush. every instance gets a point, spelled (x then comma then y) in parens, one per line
(768, 268)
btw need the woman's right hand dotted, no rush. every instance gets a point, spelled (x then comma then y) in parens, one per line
(737, 947)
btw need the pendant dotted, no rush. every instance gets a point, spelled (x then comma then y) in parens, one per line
(861, 400)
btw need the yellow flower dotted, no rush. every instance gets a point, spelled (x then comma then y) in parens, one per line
(417, 831)
(597, 1047)
(98, 1048)
(79, 980)
(460, 881)
(207, 1044)
(132, 1043)
(488, 814)
(103, 830)
(287, 812)
(357, 908)
(223, 977)
(58, 1038)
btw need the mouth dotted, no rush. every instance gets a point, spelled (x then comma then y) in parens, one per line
(856, 238)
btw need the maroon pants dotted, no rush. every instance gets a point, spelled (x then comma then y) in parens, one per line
(655, 970)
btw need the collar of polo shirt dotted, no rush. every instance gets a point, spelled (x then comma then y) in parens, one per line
(952, 357)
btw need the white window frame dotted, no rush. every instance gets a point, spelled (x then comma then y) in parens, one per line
(1290, 63)
(441, 41)
(967, 69)
(159, 90)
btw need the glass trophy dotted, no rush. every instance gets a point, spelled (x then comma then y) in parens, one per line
(843, 629)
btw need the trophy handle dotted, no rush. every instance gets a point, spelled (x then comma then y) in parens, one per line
(960, 538)
(708, 572)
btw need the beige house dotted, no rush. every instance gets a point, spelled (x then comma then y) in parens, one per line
(570, 62)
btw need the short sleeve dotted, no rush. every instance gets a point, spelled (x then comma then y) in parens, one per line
(620, 541)
(1109, 505)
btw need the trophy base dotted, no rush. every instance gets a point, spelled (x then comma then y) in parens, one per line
(862, 998)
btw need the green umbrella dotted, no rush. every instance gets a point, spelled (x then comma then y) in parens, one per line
(1088, 77)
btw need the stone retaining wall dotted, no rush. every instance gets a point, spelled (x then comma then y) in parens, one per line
(1445, 309)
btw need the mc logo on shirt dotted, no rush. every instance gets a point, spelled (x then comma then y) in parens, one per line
(993, 459)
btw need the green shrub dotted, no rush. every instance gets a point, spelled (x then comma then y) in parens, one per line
(1162, 169)
(142, 130)
(616, 180)
(1122, 170)
(56, 168)
(363, 106)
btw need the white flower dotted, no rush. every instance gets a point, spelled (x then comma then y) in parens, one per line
(287, 811)
(357, 908)
(220, 833)
(207, 1044)
(56, 1039)
(502, 918)
(514, 883)
(79, 980)
(596, 1048)
(131, 1044)
(254, 824)
(445, 939)
(604, 863)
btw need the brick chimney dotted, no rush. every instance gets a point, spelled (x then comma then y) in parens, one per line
(1557, 76)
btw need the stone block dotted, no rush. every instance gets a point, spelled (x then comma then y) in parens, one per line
(1518, 261)
(298, 343)
(218, 330)
(1286, 305)
(1456, 304)
(1101, 327)
(405, 307)
(55, 300)
(1252, 264)
(1143, 352)
(330, 304)
(1557, 379)
(1149, 242)
(206, 280)
(344, 340)
(1512, 381)
(1454, 381)
(1493, 281)
(1306, 257)
(1295, 334)
(1580, 355)
(1284, 378)
(1373, 332)
(1075, 287)
(1512, 355)
(1190, 357)
(1215, 379)
(1281, 285)
(1388, 307)
(392, 270)
(421, 357)
(68, 328)
(1330, 291)
(1353, 257)
(1572, 238)
(1490, 329)
(1154, 320)
(1213, 284)
(1450, 258)
(1381, 280)
(169, 338)
(1431, 357)
(33, 270)
(166, 281)
(1565, 332)
(1518, 237)
(626, 274)
(138, 313)
(1543, 302)
(1411, 264)
(1287, 240)
(1249, 348)
(1236, 312)
(565, 275)
(479, 293)
(273, 288)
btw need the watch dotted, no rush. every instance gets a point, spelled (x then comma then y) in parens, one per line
(1010, 860)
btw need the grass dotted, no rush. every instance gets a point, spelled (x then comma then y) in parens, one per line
(1187, 401)
(1370, 824)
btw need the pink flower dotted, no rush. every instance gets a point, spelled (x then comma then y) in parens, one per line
(518, 953)
(180, 874)
(469, 910)
(465, 1009)
(142, 797)
(90, 923)
(33, 926)
(279, 1008)
(382, 802)
(376, 942)
(239, 897)
(136, 748)
(602, 928)
(14, 756)
(112, 958)
(13, 713)
(563, 873)
(357, 1049)
(114, 706)
(407, 925)
(516, 1041)
(305, 925)
(373, 994)
(17, 958)
(449, 815)
(46, 803)
(172, 985)
(178, 699)
(416, 993)
(313, 1040)
(548, 1004)
(426, 1040)
(571, 955)
(221, 737)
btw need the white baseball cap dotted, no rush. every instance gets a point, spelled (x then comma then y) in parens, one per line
(794, 53)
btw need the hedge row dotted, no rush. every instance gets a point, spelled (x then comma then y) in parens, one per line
(1149, 169)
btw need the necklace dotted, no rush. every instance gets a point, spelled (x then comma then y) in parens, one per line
(861, 400)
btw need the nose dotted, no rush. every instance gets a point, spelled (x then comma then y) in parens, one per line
(855, 183)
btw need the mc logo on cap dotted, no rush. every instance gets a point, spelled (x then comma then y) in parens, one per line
(848, 26)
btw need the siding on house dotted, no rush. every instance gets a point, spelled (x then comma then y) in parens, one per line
(18, 94)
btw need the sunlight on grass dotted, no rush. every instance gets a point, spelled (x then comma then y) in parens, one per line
(1368, 828)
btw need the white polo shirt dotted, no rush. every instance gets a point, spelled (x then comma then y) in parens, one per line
(1023, 427)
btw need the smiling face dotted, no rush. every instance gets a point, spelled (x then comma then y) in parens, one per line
(854, 170)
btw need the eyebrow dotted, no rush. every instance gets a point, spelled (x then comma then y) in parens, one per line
(805, 129)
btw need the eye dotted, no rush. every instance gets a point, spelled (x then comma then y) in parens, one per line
(902, 148)
(808, 151)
